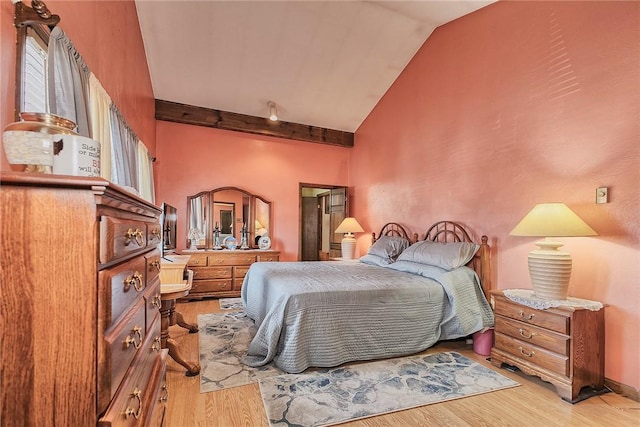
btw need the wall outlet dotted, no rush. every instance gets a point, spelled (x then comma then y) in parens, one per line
(602, 195)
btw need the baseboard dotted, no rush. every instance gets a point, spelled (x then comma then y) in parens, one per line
(622, 389)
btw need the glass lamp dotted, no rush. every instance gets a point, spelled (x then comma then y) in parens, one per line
(549, 267)
(348, 245)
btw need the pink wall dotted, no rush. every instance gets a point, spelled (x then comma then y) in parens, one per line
(517, 104)
(107, 35)
(192, 159)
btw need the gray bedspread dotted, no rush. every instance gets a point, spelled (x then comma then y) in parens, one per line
(324, 314)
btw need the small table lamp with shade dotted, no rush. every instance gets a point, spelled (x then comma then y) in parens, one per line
(549, 267)
(348, 245)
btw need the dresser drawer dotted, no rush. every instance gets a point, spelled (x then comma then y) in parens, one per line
(240, 272)
(268, 258)
(135, 399)
(549, 340)
(120, 237)
(152, 260)
(204, 286)
(119, 287)
(533, 354)
(197, 261)
(154, 234)
(121, 344)
(152, 302)
(213, 273)
(160, 394)
(541, 318)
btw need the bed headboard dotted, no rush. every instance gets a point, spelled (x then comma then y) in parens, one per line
(449, 231)
(394, 229)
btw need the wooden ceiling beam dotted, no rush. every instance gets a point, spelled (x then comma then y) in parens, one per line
(208, 117)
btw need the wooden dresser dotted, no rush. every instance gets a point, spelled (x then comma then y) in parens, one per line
(80, 304)
(564, 345)
(220, 273)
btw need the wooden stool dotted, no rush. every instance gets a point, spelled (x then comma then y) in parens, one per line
(169, 293)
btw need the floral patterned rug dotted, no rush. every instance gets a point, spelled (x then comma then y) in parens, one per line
(230, 303)
(332, 396)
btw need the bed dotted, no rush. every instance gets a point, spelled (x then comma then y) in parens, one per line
(326, 313)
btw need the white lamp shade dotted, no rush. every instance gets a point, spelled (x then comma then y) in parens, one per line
(349, 225)
(549, 267)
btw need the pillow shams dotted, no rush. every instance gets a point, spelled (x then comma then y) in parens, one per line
(375, 260)
(444, 255)
(388, 247)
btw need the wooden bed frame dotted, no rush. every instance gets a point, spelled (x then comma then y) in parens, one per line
(448, 231)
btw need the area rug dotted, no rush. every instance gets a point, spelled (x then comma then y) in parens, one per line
(230, 303)
(224, 339)
(332, 396)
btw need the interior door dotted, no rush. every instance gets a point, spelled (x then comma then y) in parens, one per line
(310, 242)
(338, 210)
(322, 209)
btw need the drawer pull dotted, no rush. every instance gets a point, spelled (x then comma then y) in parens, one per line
(156, 301)
(137, 393)
(156, 264)
(137, 330)
(522, 334)
(165, 395)
(218, 261)
(135, 235)
(525, 353)
(529, 317)
(155, 233)
(156, 346)
(136, 281)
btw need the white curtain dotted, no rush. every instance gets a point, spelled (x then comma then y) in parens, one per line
(68, 82)
(145, 173)
(100, 123)
(124, 152)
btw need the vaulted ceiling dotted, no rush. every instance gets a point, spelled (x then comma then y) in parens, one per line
(323, 63)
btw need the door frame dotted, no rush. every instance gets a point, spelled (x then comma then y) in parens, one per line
(321, 187)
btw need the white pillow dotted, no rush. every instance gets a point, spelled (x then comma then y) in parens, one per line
(444, 255)
(375, 260)
(389, 247)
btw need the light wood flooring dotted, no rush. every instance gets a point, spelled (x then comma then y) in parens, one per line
(534, 403)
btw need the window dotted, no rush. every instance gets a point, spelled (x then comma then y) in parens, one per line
(34, 75)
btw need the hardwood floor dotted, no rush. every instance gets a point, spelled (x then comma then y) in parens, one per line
(534, 403)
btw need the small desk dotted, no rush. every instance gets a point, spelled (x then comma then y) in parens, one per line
(172, 287)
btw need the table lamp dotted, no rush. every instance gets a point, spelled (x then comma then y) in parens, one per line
(549, 267)
(348, 245)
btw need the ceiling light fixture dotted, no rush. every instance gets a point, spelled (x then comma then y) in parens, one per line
(273, 113)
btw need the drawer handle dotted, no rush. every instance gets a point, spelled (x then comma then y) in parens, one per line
(218, 261)
(136, 281)
(525, 353)
(529, 317)
(155, 233)
(137, 330)
(156, 265)
(522, 334)
(156, 301)
(134, 235)
(165, 395)
(137, 393)
(156, 346)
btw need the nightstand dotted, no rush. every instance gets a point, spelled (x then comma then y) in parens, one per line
(562, 345)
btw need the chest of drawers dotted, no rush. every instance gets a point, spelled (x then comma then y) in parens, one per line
(81, 297)
(563, 345)
(221, 273)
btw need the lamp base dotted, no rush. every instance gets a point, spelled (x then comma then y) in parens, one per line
(550, 270)
(348, 246)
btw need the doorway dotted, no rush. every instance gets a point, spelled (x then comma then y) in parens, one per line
(322, 209)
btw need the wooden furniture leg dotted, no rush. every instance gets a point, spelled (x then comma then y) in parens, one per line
(168, 318)
(192, 327)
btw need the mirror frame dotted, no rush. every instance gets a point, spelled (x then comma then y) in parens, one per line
(209, 220)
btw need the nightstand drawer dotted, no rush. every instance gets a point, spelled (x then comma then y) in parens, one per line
(533, 335)
(541, 318)
(533, 354)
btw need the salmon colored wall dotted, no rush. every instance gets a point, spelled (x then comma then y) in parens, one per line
(192, 159)
(107, 35)
(517, 104)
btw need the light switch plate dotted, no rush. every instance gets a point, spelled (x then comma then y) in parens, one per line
(602, 195)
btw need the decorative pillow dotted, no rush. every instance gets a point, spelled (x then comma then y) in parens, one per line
(375, 260)
(420, 269)
(444, 255)
(389, 247)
